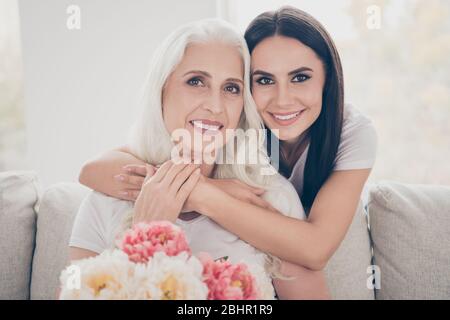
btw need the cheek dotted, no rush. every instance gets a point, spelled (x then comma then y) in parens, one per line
(181, 103)
(311, 95)
(235, 110)
(168, 108)
(313, 99)
(261, 97)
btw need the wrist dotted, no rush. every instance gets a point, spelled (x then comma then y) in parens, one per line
(211, 199)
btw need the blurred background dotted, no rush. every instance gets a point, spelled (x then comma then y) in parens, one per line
(69, 91)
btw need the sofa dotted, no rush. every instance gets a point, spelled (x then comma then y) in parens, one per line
(397, 247)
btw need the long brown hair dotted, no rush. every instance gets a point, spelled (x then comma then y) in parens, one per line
(325, 132)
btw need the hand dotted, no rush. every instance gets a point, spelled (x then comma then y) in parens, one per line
(131, 180)
(233, 187)
(163, 194)
(243, 192)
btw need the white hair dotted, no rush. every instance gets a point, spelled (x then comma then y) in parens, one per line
(149, 138)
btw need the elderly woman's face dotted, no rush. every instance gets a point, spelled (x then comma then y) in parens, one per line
(204, 94)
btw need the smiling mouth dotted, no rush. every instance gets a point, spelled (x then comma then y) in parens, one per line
(206, 126)
(287, 118)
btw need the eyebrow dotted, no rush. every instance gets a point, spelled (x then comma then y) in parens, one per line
(206, 74)
(267, 74)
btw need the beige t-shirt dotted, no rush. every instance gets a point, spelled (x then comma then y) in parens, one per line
(100, 216)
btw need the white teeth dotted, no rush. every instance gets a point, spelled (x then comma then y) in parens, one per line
(288, 117)
(205, 126)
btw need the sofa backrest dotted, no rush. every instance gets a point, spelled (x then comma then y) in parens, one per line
(347, 271)
(19, 193)
(410, 228)
(56, 212)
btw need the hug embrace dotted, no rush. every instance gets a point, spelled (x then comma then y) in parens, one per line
(283, 78)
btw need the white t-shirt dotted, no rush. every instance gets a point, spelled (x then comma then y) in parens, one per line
(100, 217)
(357, 148)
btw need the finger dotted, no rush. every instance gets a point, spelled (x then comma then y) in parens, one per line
(130, 180)
(257, 191)
(188, 186)
(181, 178)
(260, 202)
(136, 169)
(130, 194)
(254, 190)
(162, 171)
(150, 172)
(172, 173)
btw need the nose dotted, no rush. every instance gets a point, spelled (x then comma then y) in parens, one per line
(215, 103)
(284, 97)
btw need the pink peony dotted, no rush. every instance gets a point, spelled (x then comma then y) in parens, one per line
(226, 281)
(144, 239)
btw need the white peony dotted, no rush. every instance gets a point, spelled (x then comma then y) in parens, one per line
(104, 277)
(143, 287)
(177, 277)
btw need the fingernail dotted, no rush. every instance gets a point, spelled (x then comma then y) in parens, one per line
(119, 177)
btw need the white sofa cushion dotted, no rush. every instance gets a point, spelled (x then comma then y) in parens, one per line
(57, 209)
(346, 271)
(410, 228)
(18, 195)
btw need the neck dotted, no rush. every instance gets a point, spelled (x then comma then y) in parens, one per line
(289, 146)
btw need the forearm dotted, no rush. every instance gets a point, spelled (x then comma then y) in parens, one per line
(293, 240)
(305, 285)
(99, 173)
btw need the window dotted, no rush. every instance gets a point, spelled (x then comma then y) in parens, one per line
(12, 128)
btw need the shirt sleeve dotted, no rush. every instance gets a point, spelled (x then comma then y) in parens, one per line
(358, 146)
(90, 227)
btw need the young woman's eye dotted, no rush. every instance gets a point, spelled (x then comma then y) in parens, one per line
(234, 89)
(264, 81)
(301, 78)
(195, 82)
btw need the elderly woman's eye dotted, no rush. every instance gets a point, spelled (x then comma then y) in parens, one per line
(234, 89)
(195, 82)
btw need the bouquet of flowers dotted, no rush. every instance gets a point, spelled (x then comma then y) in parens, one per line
(154, 262)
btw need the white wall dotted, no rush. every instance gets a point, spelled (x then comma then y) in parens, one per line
(81, 86)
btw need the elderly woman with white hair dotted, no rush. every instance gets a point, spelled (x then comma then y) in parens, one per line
(198, 82)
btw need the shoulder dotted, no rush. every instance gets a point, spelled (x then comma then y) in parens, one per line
(282, 195)
(358, 145)
(96, 221)
(102, 201)
(102, 211)
(356, 122)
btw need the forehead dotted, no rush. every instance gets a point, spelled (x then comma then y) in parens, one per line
(214, 58)
(281, 53)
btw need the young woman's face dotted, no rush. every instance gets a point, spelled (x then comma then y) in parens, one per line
(287, 83)
(204, 94)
